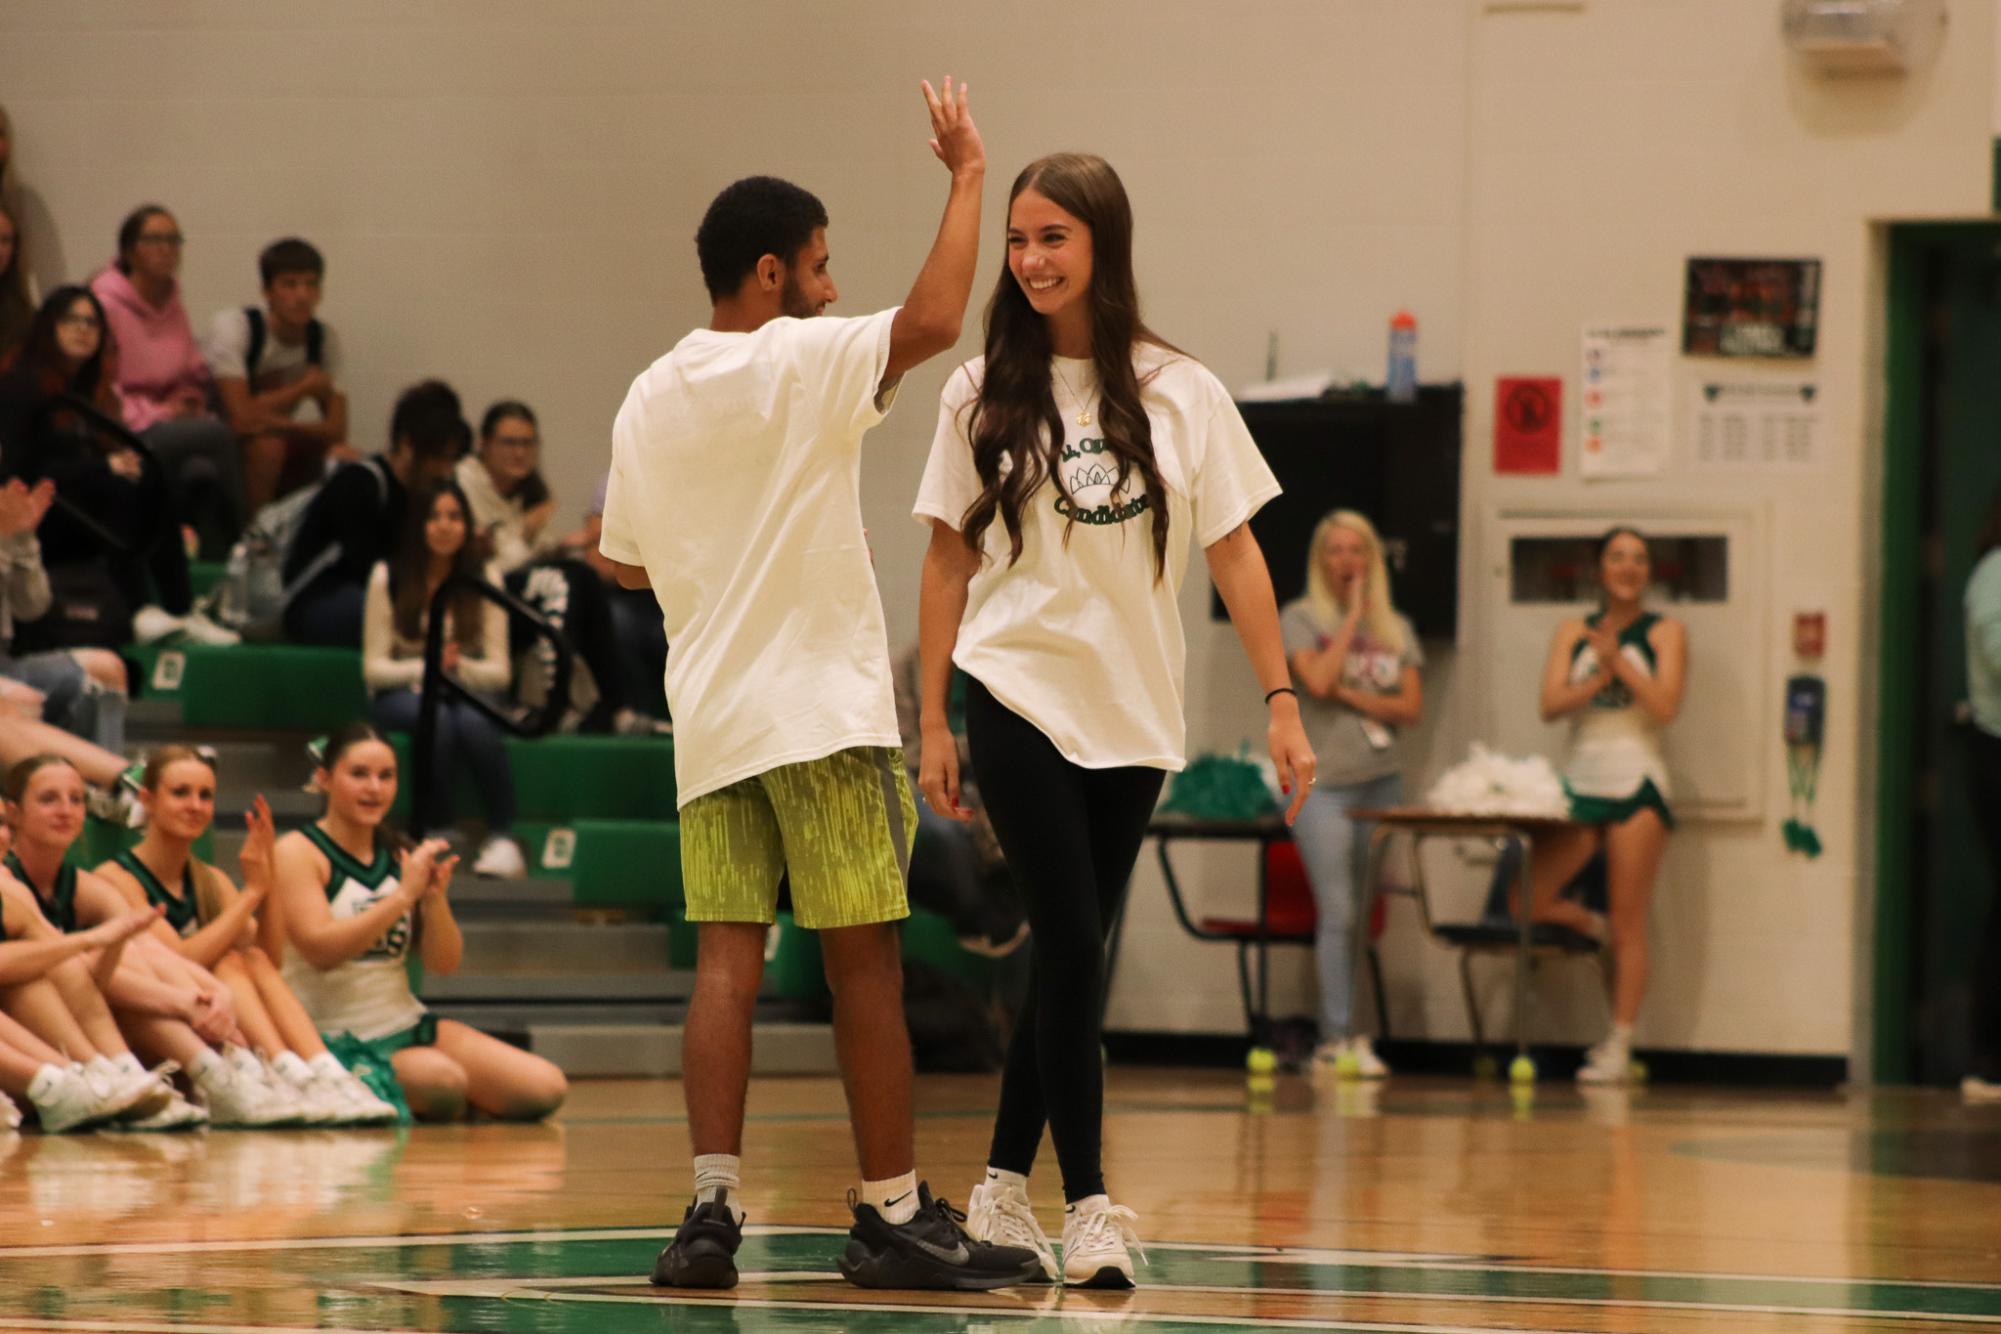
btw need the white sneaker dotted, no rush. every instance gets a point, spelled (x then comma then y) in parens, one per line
(128, 1085)
(500, 859)
(67, 1097)
(176, 1114)
(364, 1108)
(151, 624)
(201, 630)
(233, 1098)
(1096, 1238)
(1368, 1065)
(1975, 1089)
(999, 1213)
(1610, 1062)
(284, 1090)
(1350, 1058)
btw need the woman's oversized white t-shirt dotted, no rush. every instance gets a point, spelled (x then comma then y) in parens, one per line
(1076, 636)
(736, 482)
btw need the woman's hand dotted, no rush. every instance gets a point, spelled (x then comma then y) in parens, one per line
(208, 1015)
(123, 927)
(1605, 645)
(416, 866)
(938, 771)
(126, 463)
(1291, 754)
(259, 840)
(441, 879)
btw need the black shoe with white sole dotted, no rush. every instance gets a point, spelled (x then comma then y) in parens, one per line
(932, 1251)
(703, 1252)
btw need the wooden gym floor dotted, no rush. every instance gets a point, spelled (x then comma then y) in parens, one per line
(1425, 1206)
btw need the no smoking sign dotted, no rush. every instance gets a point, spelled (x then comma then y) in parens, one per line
(1528, 424)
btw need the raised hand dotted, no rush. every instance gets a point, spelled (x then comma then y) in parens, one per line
(261, 836)
(441, 878)
(416, 866)
(954, 137)
(17, 509)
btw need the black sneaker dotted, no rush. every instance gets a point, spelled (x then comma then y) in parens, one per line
(931, 1251)
(703, 1252)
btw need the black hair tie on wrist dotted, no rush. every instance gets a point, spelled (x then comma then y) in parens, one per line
(1282, 690)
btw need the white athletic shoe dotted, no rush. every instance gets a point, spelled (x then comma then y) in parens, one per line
(1610, 1062)
(999, 1213)
(233, 1097)
(130, 1085)
(363, 1107)
(320, 1104)
(177, 1113)
(500, 859)
(1097, 1238)
(201, 630)
(1975, 1089)
(151, 624)
(66, 1098)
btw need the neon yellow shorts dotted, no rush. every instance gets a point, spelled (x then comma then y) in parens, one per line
(842, 827)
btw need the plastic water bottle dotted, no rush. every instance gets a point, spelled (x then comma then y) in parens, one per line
(1400, 386)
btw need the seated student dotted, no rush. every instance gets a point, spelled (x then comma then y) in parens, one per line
(437, 546)
(31, 213)
(17, 308)
(511, 509)
(162, 377)
(352, 524)
(166, 1005)
(36, 973)
(350, 904)
(637, 627)
(82, 690)
(208, 920)
(110, 542)
(276, 370)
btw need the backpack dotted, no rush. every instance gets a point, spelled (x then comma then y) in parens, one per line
(253, 593)
(316, 342)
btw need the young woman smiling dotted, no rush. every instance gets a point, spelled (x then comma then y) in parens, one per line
(1074, 466)
(351, 905)
(167, 1005)
(208, 920)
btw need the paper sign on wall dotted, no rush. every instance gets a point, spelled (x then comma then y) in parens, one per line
(1528, 424)
(1759, 424)
(1624, 413)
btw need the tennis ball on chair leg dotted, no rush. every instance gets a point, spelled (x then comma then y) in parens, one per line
(1521, 1070)
(1260, 1061)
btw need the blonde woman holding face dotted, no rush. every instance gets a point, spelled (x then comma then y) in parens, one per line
(1356, 660)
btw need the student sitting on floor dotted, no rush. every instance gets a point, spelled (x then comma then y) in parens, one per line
(166, 1005)
(207, 919)
(352, 902)
(437, 546)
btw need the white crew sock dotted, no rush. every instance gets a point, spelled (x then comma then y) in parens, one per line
(715, 1173)
(895, 1199)
(130, 1064)
(1623, 1035)
(326, 1063)
(1013, 1181)
(206, 1066)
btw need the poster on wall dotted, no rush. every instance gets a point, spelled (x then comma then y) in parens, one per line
(1758, 424)
(1623, 408)
(1751, 307)
(1528, 424)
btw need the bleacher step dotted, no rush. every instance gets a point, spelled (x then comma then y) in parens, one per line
(654, 1050)
(494, 947)
(668, 984)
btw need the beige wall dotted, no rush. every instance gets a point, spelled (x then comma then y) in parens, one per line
(507, 198)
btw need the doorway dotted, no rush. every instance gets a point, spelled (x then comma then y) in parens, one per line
(1942, 467)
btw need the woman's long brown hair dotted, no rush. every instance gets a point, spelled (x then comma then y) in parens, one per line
(1014, 425)
(409, 586)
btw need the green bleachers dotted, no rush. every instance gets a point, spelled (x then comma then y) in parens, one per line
(268, 687)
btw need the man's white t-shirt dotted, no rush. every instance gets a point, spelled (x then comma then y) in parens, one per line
(736, 482)
(228, 346)
(1077, 636)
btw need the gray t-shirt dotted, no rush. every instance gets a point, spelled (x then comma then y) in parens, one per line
(1350, 747)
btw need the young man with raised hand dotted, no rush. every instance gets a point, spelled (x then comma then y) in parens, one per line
(735, 493)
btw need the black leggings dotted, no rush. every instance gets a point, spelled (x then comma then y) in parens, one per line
(1071, 836)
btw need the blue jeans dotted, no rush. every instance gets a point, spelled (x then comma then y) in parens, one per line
(1334, 847)
(73, 700)
(468, 742)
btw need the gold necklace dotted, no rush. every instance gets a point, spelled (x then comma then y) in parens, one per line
(1083, 408)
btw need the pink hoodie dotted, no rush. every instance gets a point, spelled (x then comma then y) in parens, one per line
(158, 357)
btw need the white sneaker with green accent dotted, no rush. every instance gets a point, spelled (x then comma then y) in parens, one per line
(999, 1213)
(1098, 1239)
(1610, 1062)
